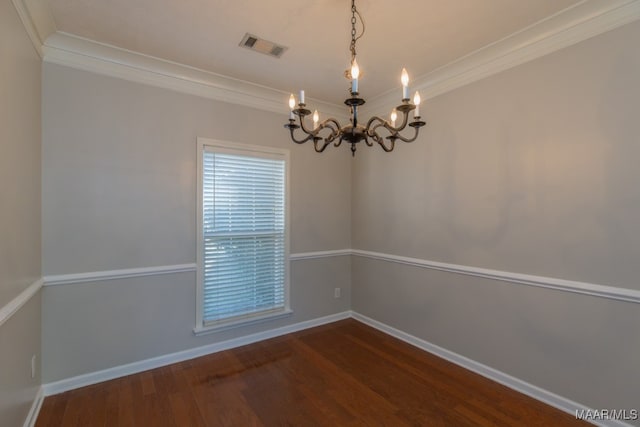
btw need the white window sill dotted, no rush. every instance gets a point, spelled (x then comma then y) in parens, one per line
(223, 326)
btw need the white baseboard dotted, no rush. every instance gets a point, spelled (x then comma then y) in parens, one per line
(156, 362)
(516, 384)
(30, 421)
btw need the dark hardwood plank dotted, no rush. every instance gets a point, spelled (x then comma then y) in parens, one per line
(126, 415)
(185, 409)
(52, 411)
(341, 374)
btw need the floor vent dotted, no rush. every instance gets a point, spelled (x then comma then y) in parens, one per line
(263, 46)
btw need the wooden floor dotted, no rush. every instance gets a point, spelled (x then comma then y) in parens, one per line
(342, 374)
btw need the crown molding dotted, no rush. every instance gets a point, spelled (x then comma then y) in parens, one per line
(577, 23)
(88, 55)
(37, 20)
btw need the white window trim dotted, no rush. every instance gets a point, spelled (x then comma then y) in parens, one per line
(247, 149)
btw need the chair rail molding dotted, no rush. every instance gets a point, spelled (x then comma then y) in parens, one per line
(584, 288)
(99, 276)
(602, 291)
(16, 304)
(319, 254)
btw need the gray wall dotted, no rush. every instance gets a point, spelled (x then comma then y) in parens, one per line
(533, 170)
(19, 213)
(119, 191)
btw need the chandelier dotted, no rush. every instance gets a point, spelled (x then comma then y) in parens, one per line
(355, 132)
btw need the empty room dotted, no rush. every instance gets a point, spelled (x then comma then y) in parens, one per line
(319, 213)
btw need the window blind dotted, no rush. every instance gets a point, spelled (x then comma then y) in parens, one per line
(243, 236)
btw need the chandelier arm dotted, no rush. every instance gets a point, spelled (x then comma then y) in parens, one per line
(371, 131)
(299, 141)
(333, 121)
(392, 144)
(332, 124)
(372, 120)
(375, 128)
(374, 135)
(312, 133)
(324, 145)
(405, 120)
(393, 130)
(403, 139)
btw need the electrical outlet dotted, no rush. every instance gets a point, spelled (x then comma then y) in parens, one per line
(336, 293)
(33, 366)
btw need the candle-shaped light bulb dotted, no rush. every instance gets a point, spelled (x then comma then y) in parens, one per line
(292, 102)
(355, 73)
(416, 102)
(404, 78)
(394, 116)
(301, 97)
(316, 118)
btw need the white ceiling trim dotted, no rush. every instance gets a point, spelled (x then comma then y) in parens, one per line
(77, 52)
(565, 28)
(37, 20)
(572, 25)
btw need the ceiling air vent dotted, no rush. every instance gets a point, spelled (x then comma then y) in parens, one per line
(263, 46)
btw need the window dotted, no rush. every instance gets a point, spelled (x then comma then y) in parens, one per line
(242, 234)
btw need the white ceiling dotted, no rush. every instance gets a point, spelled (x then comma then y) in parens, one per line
(421, 35)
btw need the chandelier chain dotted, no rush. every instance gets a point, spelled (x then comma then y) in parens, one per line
(355, 15)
